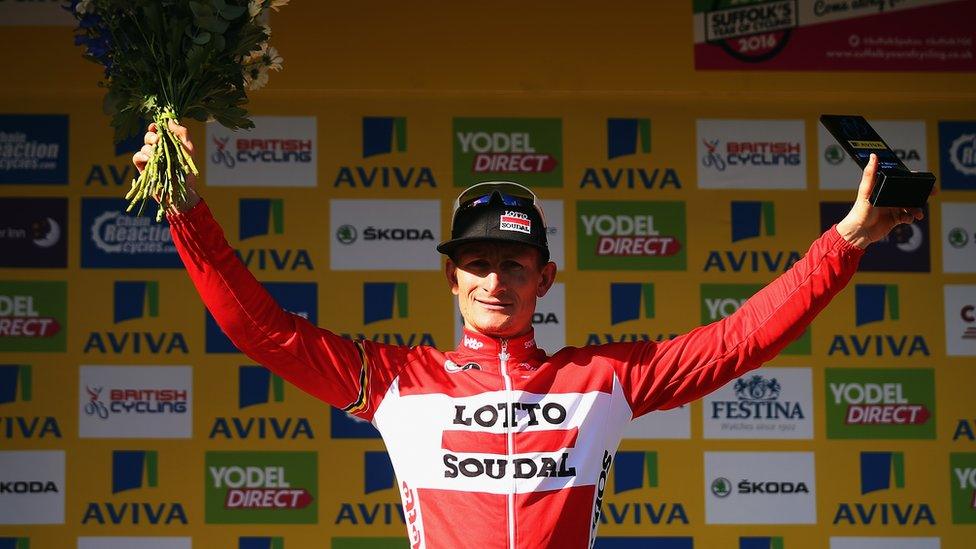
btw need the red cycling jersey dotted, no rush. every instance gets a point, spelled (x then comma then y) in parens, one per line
(495, 444)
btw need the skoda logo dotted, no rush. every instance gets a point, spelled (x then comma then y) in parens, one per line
(721, 487)
(958, 237)
(834, 154)
(346, 234)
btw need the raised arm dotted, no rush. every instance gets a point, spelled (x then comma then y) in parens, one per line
(321, 363)
(668, 374)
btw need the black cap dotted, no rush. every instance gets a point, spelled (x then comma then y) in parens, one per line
(498, 222)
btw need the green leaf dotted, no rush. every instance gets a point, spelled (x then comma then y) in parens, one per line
(212, 24)
(200, 9)
(201, 38)
(232, 12)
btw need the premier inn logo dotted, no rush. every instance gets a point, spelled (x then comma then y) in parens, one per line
(631, 235)
(884, 404)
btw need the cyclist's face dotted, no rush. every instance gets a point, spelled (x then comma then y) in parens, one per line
(497, 285)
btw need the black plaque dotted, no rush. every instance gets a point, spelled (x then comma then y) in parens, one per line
(895, 185)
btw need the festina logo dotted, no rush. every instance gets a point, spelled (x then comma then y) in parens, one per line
(601, 338)
(758, 398)
(885, 345)
(136, 343)
(262, 428)
(134, 513)
(395, 338)
(884, 514)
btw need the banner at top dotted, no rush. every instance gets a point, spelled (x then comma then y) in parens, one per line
(812, 35)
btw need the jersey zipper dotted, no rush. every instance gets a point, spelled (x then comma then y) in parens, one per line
(503, 366)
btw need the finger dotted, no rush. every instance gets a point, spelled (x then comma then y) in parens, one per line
(140, 160)
(147, 150)
(182, 134)
(867, 179)
(151, 138)
(152, 127)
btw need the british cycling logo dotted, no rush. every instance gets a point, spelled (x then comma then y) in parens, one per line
(904, 249)
(258, 386)
(135, 473)
(385, 137)
(279, 151)
(34, 149)
(31, 487)
(881, 472)
(112, 239)
(298, 298)
(33, 316)
(261, 488)
(33, 232)
(880, 403)
(776, 403)
(957, 155)
(751, 154)
(135, 402)
(630, 235)
(528, 149)
(628, 148)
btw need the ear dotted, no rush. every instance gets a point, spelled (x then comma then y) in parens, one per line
(450, 272)
(546, 279)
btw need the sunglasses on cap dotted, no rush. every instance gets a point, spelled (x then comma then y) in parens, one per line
(511, 194)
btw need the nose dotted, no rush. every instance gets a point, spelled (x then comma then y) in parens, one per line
(492, 282)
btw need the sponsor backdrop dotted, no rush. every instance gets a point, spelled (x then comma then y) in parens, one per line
(127, 419)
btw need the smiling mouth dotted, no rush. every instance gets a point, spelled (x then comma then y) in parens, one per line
(493, 306)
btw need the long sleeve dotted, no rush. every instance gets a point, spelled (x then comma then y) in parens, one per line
(662, 375)
(319, 362)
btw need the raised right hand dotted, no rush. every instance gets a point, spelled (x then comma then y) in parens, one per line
(141, 158)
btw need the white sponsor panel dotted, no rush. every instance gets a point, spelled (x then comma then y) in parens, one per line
(280, 151)
(15, 13)
(129, 543)
(959, 237)
(555, 231)
(751, 154)
(384, 235)
(883, 543)
(960, 320)
(662, 424)
(760, 488)
(32, 487)
(549, 320)
(773, 403)
(135, 402)
(838, 171)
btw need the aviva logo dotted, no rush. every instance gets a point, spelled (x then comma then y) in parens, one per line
(381, 299)
(383, 135)
(872, 300)
(15, 383)
(260, 216)
(879, 469)
(136, 299)
(630, 469)
(260, 543)
(626, 298)
(131, 467)
(624, 135)
(751, 219)
(257, 385)
(761, 543)
(378, 472)
(14, 543)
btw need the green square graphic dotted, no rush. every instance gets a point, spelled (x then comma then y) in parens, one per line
(962, 478)
(525, 150)
(261, 488)
(868, 403)
(720, 300)
(33, 316)
(628, 235)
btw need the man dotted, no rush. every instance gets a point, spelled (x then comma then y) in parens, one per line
(495, 444)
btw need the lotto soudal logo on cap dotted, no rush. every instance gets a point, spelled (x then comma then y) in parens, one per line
(261, 488)
(528, 150)
(880, 403)
(515, 221)
(628, 235)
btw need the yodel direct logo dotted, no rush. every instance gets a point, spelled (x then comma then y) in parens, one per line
(629, 235)
(880, 403)
(33, 316)
(963, 487)
(527, 149)
(261, 487)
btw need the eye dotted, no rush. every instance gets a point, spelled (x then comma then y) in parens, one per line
(510, 265)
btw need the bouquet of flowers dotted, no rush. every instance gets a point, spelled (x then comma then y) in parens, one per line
(172, 59)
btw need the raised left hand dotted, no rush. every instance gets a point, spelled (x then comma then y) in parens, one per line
(865, 223)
